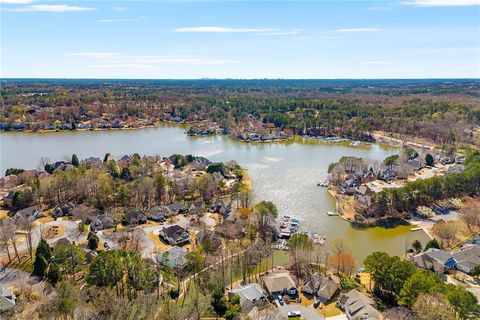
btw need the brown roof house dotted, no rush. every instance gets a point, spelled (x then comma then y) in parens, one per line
(323, 288)
(279, 284)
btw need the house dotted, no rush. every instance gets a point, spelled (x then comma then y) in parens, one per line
(92, 162)
(62, 242)
(364, 190)
(279, 284)
(358, 306)
(102, 222)
(232, 228)
(63, 210)
(415, 164)
(175, 235)
(176, 208)
(7, 299)
(134, 218)
(436, 260)
(157, 213)
(221, 208)
(211, 236)
(197, 207)
(467, 257)
(456, 168)
(32, 212)
(251, 295)
(200, 163)
(8, 199)
(386, 175)
(321, 287)
(175, 257)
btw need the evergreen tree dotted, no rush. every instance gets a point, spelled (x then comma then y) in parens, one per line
(53, 273)
(40, 266)
(93, 241)
(429, 160)
(75, 161)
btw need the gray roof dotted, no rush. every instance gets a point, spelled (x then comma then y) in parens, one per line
(249, 293)
(468, 256)
(174, 257)
(7, 299)
(359, 306)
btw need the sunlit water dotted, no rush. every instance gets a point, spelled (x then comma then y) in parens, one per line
(285, 172)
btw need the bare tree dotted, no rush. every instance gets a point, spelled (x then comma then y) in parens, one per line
(27, 225)
(470, 214)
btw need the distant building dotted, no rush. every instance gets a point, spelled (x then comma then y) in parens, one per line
(358, 306)
(134, 218)
(31, 213)
(102, 222)
(467, 257)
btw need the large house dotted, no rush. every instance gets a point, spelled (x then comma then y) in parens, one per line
(30, 213)
(467, 257)
(135, 217)
(251, 295)
(321, 287)
(7, 299)
(435, 260)
(103, 221)
(175, 257)
(174, 235)
(279, 284)
(358, 306)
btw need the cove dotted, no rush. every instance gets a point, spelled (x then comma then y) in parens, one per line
(283, 172)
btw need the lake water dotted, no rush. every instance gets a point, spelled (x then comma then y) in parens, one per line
(284, 172)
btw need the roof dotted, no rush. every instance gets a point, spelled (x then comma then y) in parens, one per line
(323, 286)
(174, 232)
(7, 299)
(28, 212)
(249, 293)
(359, 305)
(174, 257)
(468, 256)
(279, 282)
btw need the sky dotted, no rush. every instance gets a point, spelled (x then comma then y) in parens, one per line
(240, 39)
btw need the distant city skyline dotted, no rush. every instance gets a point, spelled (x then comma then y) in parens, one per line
(240, 39)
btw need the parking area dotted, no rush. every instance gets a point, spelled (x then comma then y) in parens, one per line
(307, 313)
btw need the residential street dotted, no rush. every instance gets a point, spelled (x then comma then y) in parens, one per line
(308, 313)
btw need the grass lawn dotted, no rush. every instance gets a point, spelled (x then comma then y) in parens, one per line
(330, 310)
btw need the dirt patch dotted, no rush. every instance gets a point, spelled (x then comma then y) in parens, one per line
(54, 232)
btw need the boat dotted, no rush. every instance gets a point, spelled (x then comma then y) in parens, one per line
(354, 143)
(319, 239)
(323, 184)
(332, 213)
(416, 229)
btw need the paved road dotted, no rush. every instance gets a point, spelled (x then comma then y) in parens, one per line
(308, 313)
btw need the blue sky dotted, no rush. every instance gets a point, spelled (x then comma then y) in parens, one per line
(240, 39)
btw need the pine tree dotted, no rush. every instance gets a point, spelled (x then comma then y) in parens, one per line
(40, 266)
(75, 161)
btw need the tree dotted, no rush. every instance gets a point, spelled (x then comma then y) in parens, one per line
(429, 160)
(65, 300)
(422, 281)
(445, 231)
(344, 263)
(69, 257)
(430, 306)
(219, 302)
(470, 214)
(93, 241)
(40, 266)
(417, 246)
(75, 161)
(410, 153)
(391, 160)
(43, 249)
(160, 187)
(464, 302)
(195, 261)
(53, 273)
(432, 244)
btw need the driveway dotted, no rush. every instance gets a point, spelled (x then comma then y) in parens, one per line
(308, 313)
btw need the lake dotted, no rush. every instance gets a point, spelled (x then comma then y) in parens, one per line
(283, 172)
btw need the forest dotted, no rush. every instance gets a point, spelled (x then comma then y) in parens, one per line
(441, 111)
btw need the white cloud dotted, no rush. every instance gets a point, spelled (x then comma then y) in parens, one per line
(357, 30)
(16, 1)
(442, 3)
(279, 33)
(52, 8)
(223, 30)
(378, 62)
(122, 20)
(115, 59)
(123, 66)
